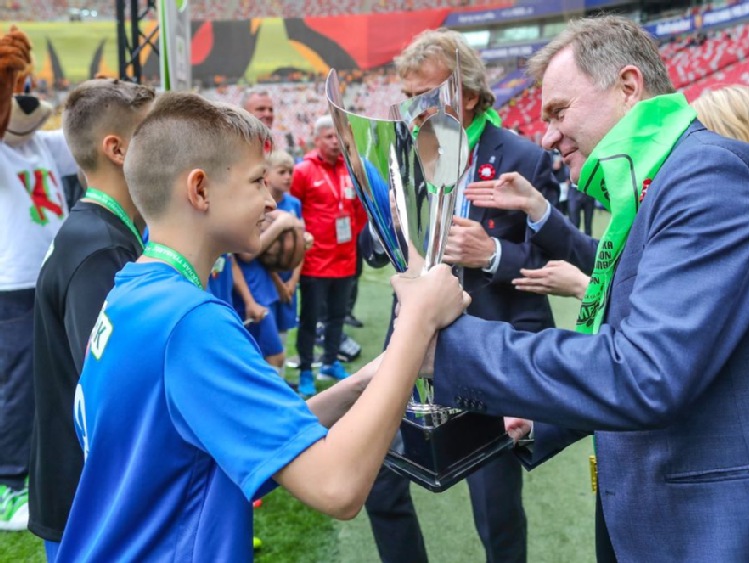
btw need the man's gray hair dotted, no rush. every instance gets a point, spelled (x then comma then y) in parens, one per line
(602, 47)
(440, 45)
(324, 122)
(254, 91)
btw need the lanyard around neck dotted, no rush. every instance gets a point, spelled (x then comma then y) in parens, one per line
(111, 204)
(174, 259)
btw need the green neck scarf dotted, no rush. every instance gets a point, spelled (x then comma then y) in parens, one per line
(477, 126)
(623, 162)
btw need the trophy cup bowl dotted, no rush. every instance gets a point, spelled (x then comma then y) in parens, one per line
(406, 170)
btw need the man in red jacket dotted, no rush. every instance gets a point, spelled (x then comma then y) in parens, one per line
(334, 216)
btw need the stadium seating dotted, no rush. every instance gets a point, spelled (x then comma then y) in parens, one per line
(27, 10)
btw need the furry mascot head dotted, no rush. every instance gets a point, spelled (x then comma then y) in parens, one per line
(21, 114)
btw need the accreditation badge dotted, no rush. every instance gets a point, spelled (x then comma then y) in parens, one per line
(348, 187)
(343, 229)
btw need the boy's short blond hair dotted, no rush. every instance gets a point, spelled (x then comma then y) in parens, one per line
(101, 107)
(184, 132)
(281, 158)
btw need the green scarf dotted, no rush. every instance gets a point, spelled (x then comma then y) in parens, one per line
(624, 161)
(477, 126)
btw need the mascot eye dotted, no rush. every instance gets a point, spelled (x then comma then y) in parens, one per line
(27, 85)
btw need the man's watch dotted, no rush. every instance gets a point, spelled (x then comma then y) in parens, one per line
(488, 266)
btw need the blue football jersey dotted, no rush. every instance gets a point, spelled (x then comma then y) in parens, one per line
(220, 281)
(182, 424)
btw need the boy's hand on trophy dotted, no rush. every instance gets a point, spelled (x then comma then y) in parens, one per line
(510, 191)
(435, 298)
(468, 244)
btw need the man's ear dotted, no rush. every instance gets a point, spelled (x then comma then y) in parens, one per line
(114, 149)
(470, 99)
(197, 189)
(632, 85)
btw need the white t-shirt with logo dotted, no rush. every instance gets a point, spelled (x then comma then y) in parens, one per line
(32, 205)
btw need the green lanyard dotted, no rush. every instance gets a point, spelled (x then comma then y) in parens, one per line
(174, 259)
(112, 205)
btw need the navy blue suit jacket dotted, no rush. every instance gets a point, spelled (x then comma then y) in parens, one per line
(664, 384)
(493, 296)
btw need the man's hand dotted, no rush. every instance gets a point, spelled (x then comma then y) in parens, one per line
(557, 278)
(510, 191)
(517, 428)
(468, 244)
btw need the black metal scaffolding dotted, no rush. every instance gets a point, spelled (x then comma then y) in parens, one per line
(130, 45)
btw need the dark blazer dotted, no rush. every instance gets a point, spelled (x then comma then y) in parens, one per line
(494, 297)
(664, 384)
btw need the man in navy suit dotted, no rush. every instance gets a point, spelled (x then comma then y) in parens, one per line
(660, 371)
(489, 246)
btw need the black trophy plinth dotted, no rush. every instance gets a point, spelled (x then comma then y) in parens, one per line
(438, 451)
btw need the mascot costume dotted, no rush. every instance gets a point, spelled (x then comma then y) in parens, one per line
(32, 208)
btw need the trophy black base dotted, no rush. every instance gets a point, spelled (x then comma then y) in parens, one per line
(436, 456)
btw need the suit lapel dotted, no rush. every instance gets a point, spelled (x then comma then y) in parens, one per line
(490, 153)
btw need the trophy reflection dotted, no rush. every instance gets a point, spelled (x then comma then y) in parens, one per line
(406, 170)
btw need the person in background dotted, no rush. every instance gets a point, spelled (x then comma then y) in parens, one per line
(280, 172)
(725, 111)
(334, 216)
(93, 244)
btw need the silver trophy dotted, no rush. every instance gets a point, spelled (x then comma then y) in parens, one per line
(406, 170)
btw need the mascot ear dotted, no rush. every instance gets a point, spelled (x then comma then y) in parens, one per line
(15, 61)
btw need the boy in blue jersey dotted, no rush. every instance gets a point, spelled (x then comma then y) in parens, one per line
(221, 279)
(260, 286)
(280, 172)
(181, 421)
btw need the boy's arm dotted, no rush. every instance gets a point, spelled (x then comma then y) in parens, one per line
(252, 309)
(281, 289)
(335, 474)
(283, 220)
(293, 281)
(330, 405)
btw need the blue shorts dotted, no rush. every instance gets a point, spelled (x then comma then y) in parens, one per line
(265, 334)
(285, 314)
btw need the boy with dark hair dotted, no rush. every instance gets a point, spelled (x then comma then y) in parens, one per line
(96, 241)
(181, 421)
